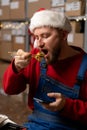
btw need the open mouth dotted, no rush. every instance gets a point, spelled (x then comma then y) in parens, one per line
(45, 51)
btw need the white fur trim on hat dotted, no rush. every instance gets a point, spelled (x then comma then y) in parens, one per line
(35, 44)
(50, 18)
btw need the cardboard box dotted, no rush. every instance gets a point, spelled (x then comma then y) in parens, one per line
(6, 35)
(34, 5)
(17, 9)
(18, 42)
(0, 41)
(56, 3)
(0, 36)
(4, 12)
(76, 26)
(4, 2)
(76, 40)
(5, 47)
(3, 67)
(73, 0)
(59, 9)
(4, 9)
(79, 40)
(6, 44)
(75, 8)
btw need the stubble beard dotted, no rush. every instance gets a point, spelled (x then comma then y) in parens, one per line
(54, 55)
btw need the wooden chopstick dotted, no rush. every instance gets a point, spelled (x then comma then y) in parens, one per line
(13, 53)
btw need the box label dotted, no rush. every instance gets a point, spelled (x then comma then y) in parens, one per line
(5, 2)
(30, 1)
(19, 40)
(72, 6)
(7, 37)
(14, 5)
(57, 3)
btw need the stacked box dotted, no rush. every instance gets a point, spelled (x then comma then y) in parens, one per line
(76, 26)
(3, 67)
(17, 9)
(58, 5)
(6, 44)
(5, 10)
(34, 5)
(76, 38)
(75, 7)
(18, 42)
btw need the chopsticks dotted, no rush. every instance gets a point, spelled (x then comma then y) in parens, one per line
(14, 53)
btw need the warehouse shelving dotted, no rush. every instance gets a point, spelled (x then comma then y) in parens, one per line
(24, 20)
(84, 17)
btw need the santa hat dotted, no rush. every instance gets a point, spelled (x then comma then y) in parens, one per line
(50, 18)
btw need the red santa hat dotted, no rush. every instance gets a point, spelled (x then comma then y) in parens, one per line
(50, 18)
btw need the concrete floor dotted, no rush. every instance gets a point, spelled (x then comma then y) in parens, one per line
(16, 110)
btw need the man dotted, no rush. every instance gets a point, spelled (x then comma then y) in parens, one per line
(57, 98)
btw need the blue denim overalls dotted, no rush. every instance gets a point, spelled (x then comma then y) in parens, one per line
(41, 118)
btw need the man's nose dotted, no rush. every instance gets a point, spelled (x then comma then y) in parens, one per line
(40, 43)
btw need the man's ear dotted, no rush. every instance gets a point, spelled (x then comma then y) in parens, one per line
(65, 34)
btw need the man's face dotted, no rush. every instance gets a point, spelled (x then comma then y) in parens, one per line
(49, 41)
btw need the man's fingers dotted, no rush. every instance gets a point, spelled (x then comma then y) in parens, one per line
(20, 52)
(55, 95)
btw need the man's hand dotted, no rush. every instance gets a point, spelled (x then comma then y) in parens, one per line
(21, 59)
(58, 104)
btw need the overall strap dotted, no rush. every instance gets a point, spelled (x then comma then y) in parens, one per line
(81, 72)
(83, 68)
(80, 75)
(43, 66)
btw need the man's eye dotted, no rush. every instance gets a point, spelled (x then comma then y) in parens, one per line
(45, 36)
